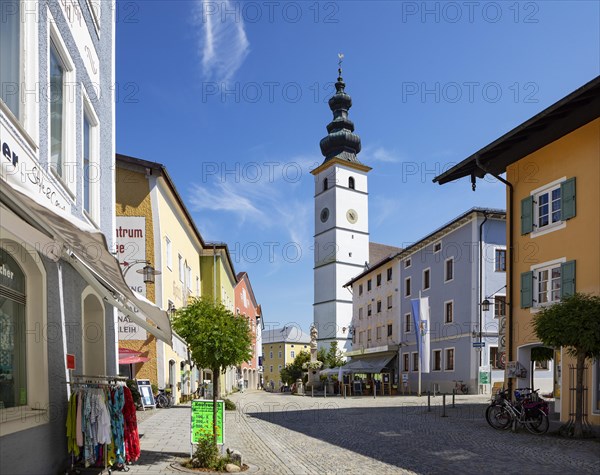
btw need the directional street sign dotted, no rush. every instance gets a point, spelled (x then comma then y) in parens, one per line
(478, 344)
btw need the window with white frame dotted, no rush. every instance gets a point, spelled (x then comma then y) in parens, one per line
(271, 368)
(547, 288)
(360, 313)
(91, 169)
(500, 260)
(378, 333)
(270, 354)
(449, 270)
(437, 247)
(181, 268)
(407, 323)
(449, 311)
(10, 55)
(293, 354)
(449, 359)
(369, 311)
(407, 287)
(368, 334)
(57, 111)
(378, 280)
(407, 263)
(279, 354)
(390, 329)
(188, 277)
(426, 279)
(547, 209)
(437, 360)
(389, 273)
(360, 289)
(379, 306)
(168, 252)
(405, 362)
(499, 306)
(415, 358)
(198, 286)
(369, 285)
(389, 301)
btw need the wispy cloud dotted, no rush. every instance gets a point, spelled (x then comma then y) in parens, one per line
(224, 42)
(379, 154)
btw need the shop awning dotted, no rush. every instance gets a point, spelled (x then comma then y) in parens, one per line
(85, 248)
(367, 364)
(127, 356)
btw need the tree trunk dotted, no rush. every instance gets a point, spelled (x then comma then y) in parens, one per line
(216, 373)
(578, 432)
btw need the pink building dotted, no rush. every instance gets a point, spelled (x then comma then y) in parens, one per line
(247, 307)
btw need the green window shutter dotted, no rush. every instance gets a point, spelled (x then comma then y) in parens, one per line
(567, 279)
(567, 198)
(527, 215)
(526, 289)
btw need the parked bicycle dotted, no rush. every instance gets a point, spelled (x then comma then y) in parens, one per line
(528, 410)
(163, 399)
(461, 387)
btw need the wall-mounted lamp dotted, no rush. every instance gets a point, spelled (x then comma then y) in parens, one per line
(147, 271)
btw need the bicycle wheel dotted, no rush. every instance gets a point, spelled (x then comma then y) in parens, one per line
(162, 401)
(498, 417)
(537, 422)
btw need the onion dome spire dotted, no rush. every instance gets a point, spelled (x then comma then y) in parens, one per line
(341, 141)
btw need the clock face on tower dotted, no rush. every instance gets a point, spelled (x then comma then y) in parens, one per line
(324, 215)
(352, 216)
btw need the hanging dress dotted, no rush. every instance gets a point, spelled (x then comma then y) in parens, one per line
(72, 446)
(132, 438)
(116, 403)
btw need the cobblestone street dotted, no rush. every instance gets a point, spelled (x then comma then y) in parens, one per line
(285, 434)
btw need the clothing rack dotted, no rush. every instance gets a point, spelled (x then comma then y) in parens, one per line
(96, 380)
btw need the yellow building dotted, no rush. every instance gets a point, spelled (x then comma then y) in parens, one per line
(154, 226)
(280, 347)
(552, 166)
(219, 281)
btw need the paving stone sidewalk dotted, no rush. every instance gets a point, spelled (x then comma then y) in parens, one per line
(285, 434)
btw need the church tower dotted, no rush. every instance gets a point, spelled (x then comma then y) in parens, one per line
(341, 244)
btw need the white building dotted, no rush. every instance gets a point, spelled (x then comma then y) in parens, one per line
(341, 243)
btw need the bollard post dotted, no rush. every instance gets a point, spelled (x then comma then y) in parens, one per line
(312, 390)
(325, 388)
(444, 405)
(344, 391)
(453, 394)
(428, 401)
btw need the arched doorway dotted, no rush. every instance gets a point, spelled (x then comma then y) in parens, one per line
(93, 335)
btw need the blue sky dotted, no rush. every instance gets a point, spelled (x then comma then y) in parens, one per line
(231, 98)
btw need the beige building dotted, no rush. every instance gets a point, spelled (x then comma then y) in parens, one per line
(280, 347)
(553, 189)
(155, 228)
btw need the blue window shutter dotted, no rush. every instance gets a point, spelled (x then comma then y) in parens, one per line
(567, 279)
(526, 289)
(567, 198)
(527, 215)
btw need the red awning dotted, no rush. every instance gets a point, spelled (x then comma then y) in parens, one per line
(133, 359)
(127, 356)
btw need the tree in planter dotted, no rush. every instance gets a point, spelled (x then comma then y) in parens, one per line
(216, 338)
(573, 323)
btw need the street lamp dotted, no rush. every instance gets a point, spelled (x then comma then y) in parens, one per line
(485, 305)
(147, 271)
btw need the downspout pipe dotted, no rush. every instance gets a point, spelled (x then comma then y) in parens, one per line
(485, 218)
(509, 246)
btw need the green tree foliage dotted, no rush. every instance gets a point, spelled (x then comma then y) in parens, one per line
(292, 371)
(572, 323)
(216, 338)
(334, 357)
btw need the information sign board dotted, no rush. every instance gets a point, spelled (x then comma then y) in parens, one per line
(145, 389)
(202, 419)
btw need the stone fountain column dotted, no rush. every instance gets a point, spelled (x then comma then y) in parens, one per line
(313, 378)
